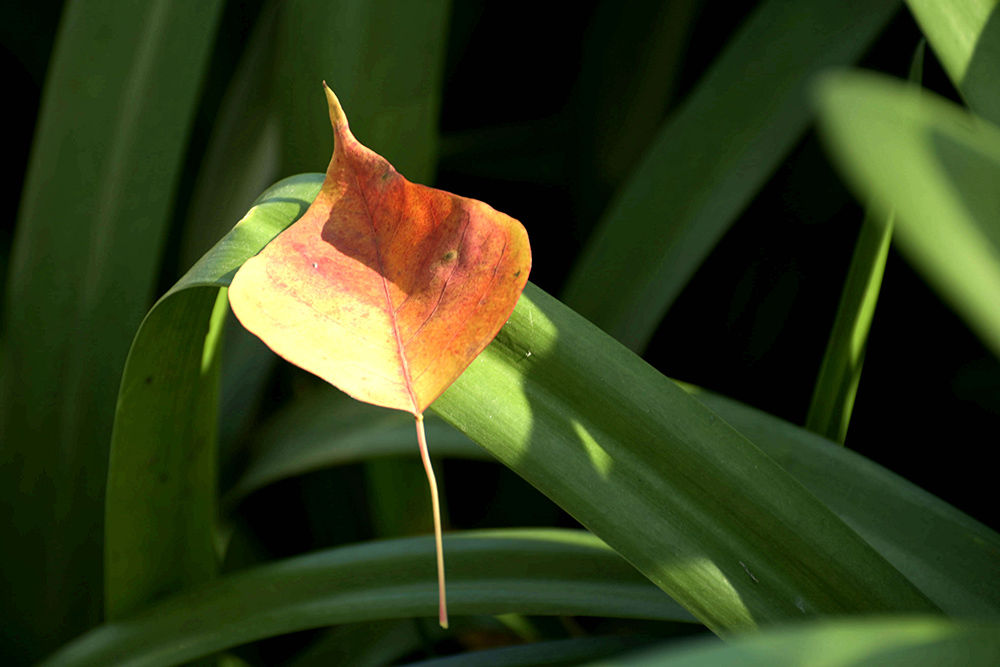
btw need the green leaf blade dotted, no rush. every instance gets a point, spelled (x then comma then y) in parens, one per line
(965, 35)
(938, 166)
(490, 572)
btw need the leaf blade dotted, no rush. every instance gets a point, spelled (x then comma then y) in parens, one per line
(532, 571)
(938, 166)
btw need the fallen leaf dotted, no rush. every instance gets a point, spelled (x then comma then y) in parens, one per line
(385, 288)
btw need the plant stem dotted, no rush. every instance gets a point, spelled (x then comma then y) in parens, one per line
(436, 509)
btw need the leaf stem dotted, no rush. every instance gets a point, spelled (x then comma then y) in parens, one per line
(436, 508)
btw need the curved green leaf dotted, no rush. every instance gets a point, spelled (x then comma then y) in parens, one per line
(939, 167)
(678, 492)
(163, 451)
(710, 159)
(490, 572)
(161, 482)
(952, 558)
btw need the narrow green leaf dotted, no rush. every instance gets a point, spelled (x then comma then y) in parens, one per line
(527, 571)
(160, 514)
(952, 558)
(886, 642)
(965, 36)
(711, 158)
(119, 98)
(390, 63)
(682, 495)
(840, 371)
(939, 167)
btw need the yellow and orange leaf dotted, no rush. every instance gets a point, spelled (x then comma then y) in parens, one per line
(384, 288)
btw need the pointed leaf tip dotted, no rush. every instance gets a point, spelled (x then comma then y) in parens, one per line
(337, 116)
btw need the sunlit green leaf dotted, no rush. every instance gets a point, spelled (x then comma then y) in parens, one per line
(938, 167)
(965, 36)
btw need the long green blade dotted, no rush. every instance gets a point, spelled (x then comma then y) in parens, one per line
(840, 371)
(939, 167)
(526, 571)
(119, 98)
(965, 35)
(161, 515)
(683, 496)
(711, 158)
(953, 559)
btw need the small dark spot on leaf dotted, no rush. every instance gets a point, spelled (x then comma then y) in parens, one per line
(449, 256)
(164, 478)
(149, 379)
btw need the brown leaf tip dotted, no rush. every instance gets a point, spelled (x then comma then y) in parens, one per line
(337, 115)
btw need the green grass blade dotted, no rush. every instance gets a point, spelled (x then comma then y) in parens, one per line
(952, 558)
(710, 159)
(965, 36)
(160, 513)
(527, 571)
(886, 642)
(119, 98)
(840, 371)
(939, 167)
(683, 496)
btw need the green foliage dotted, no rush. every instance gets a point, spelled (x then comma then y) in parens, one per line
(200, 487)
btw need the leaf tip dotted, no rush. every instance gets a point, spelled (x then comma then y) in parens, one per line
(337, 115)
